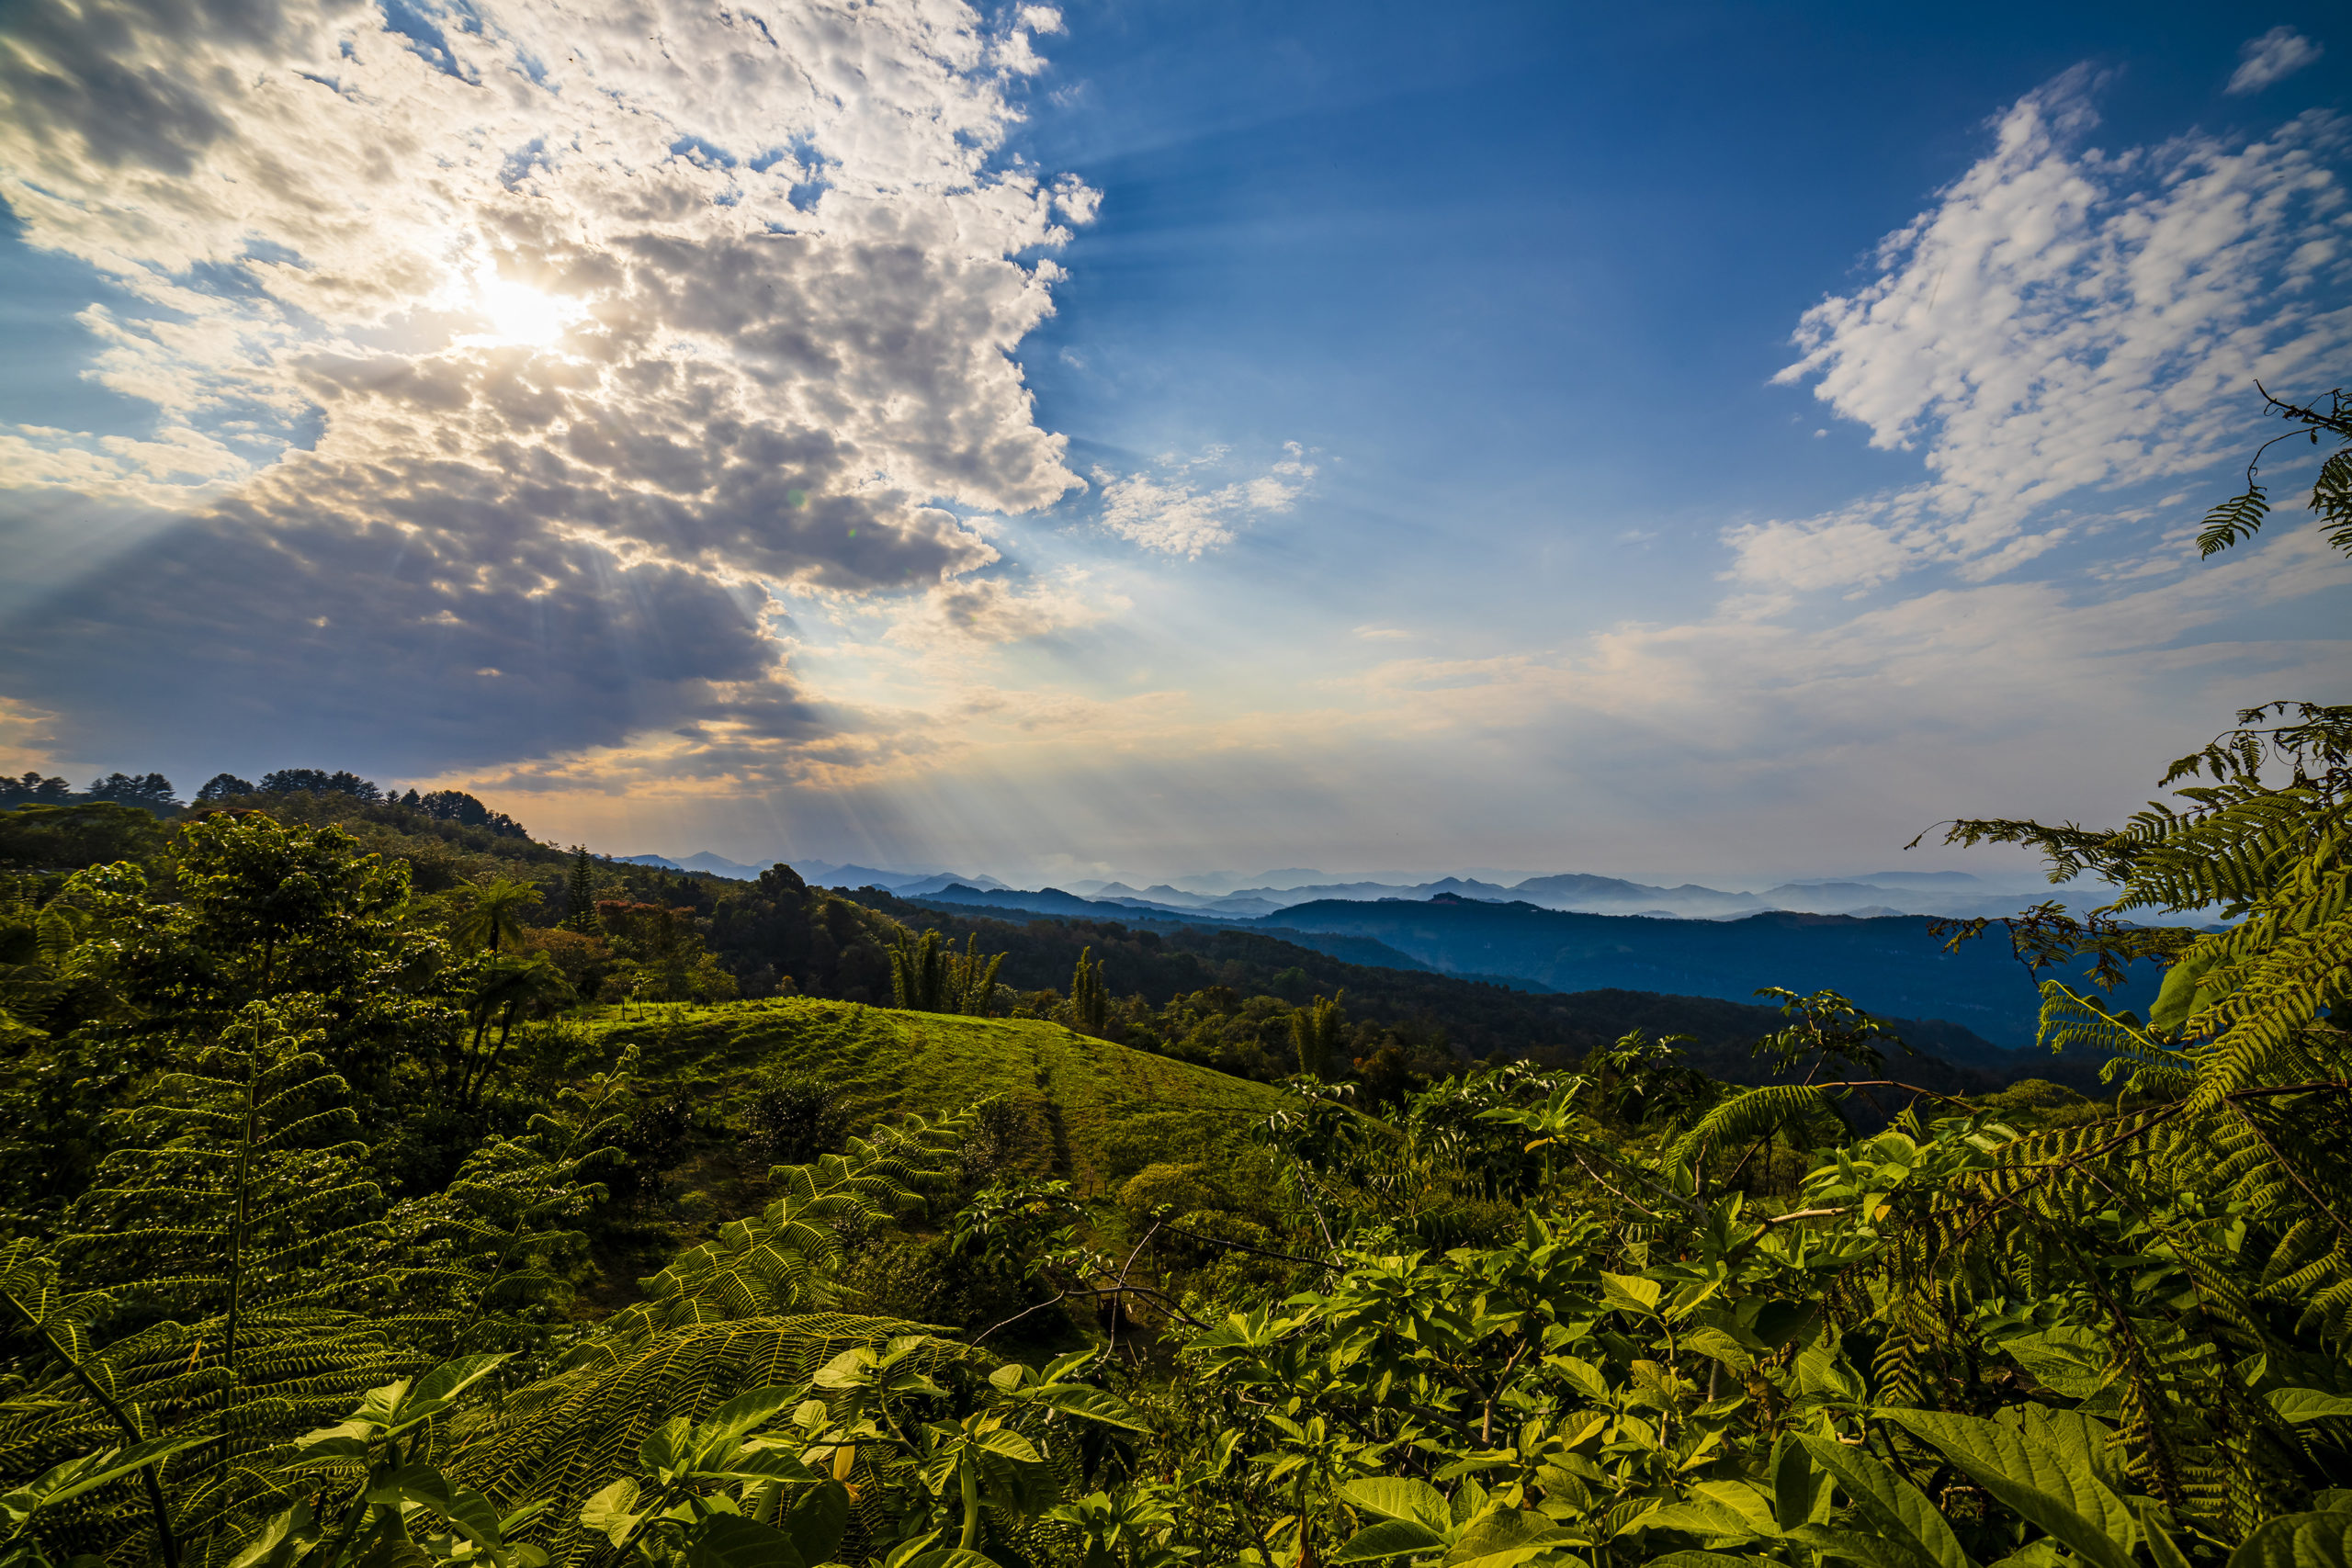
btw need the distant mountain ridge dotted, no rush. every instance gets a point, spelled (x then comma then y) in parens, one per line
(1889, 964)
(1878, 894)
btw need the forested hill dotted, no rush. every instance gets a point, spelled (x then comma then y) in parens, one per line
(1893, 965)
(1479, 1018)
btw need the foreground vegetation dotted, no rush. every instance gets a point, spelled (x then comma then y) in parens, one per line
(324, 1187)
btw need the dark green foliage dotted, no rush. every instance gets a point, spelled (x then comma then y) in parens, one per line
(1314, 1034)
(456, 806)
(266, 912)
(1090, 1002)
(318, 780)
(926, 976)
(795, 1117)
(580, 895)
(32, 789)
(69, 838)
(645, 1148)
(149, 792)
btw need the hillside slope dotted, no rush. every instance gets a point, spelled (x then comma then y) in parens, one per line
(1088, 1110)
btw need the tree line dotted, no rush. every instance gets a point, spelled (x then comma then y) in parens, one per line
(154, 792)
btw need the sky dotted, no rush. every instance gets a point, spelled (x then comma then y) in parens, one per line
(1680, 441)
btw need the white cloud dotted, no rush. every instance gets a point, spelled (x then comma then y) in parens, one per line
(1177, 517)
(971, 612)
(600, 317)
(2066, 319)
(2277, 54)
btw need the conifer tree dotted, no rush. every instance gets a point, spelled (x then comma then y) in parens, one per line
(580, 895)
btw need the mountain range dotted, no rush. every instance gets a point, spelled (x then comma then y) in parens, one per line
(1874, 894)
(1890, 964)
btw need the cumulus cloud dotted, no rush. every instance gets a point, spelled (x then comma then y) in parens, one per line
(2067, 320)
(1173, 516)
(2277, 54)
(527, 319)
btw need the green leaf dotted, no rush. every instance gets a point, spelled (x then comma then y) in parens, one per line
(1716, 1345)
(2298, 1541)
(816, 1522)
(608, 1512)
(1502, 1539)
(1749, 1504)
(745, 1412)
(2297, 1406)
(2059, 1492)
(666, 1447)
(1894, 1509)
(1800, 1488)
(1701, 1517)
(1781, 1321)
(2071, 1361)
(435, 1389)
(2040, 1552)
(1869, 1550)
(1630, 1292)
(1389, 1538)
(1011, 1445)
(1392, 1498)
(280, 1541)
(1582, 1375)
(1092, 1403)
(730, 1540)
(72, 1479)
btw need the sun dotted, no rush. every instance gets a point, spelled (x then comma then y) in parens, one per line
(519, 314)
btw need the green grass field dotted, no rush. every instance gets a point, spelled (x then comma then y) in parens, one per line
(1098, 1112)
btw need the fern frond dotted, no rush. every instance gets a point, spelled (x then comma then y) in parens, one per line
(2240, 517)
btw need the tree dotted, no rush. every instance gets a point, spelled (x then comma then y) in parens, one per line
(152, 792)
(1315, 1034)
(490, 912)
(222, 787)
(267, 911)
(316, 781)
(926, 975)
(1090, 1002)
(505, 992)
(32, 789)
(457, 805)
(580, 895)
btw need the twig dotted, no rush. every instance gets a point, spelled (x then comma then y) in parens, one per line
(1245, 1247)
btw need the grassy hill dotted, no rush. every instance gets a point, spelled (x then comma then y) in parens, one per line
(1083, 1109)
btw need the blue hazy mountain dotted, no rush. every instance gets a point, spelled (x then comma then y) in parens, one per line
(1890, 964)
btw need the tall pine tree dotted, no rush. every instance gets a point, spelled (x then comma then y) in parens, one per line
(580, 895)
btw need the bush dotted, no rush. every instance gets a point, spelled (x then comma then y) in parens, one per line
(793, 1118)
(653, 1142)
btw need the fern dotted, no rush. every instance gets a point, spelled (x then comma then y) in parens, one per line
(555, 1441)
(2237, 518)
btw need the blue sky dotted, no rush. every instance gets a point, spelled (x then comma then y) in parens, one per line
(1681, 441)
